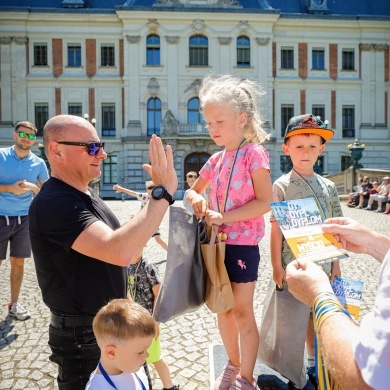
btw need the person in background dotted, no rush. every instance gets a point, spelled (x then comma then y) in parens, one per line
(22, 174)
(364, 193)
(356, 356)
(81, 252)
(124, 331)
(191, 179)
(144, 197)
(387, 211)
(383, 191)
(241, 192)
(144, 285)
(304, 141)
(355, 193)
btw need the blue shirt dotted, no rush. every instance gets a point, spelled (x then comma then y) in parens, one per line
(12, 169)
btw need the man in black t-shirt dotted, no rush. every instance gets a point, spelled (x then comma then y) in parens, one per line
(80, 250)
(364, 193)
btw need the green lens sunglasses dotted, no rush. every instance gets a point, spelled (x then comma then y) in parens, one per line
(23, 134)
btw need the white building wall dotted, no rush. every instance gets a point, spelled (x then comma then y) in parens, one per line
(23, 85)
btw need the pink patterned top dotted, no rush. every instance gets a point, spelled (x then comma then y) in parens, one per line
(250, 158)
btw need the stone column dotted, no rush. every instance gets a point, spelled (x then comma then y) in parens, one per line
(264, 64)
(6, 92)
(224, 54)
(19, 87)
(367, 70)
(172, 72)
(380, 88)
(132, 90)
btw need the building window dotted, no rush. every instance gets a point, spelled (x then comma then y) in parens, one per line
(193, 113)
(40, 54)
(287, 58)
(318, 59)
(199, 51)
(285, 164)
(346, 162)
(287, 112)
(154, 116)
(318, 110)
(243, 52)
(75, 109)
(153, 50)
(107, 55)
(348, 59)
(41, 116)
(348, 122)
(319, 165)
(108, 120)
(74, 55)
(110, 170)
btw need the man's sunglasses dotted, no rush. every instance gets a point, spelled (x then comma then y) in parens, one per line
(23, 134)
(92, 147)
(191, 176)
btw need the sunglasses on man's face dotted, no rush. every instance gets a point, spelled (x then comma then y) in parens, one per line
(191, 176)
(23, 134)
(92, 147)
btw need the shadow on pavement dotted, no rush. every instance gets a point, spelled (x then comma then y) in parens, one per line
(5, 329)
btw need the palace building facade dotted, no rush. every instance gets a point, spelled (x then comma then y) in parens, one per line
(135, 68)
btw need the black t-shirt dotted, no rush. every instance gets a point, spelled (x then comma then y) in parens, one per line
(71, 283)
(366, 187)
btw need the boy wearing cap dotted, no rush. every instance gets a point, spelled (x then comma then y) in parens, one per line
(304, 141)
(22, 174)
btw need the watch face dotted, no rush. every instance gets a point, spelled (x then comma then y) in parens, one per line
(158, 192)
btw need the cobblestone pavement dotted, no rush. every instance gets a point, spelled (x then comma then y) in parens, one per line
(24, 353)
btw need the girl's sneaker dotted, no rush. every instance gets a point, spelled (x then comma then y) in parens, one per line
(227, 377)
(242, 384)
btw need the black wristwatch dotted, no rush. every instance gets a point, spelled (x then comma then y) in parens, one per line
(160, 192)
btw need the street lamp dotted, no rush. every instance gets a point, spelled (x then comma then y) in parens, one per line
(93, 120)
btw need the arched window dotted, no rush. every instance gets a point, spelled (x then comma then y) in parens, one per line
(243, 51)
(199, 50)
(154, 116)
(193, 114)
(153, 50)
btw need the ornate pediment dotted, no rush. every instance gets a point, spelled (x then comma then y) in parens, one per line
(318, 7)
(169, 124)
(209, 3)
(153, 87)
(73, 3)
(153, 25)
(195, 86)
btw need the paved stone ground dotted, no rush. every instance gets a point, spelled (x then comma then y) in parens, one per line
(186, 341)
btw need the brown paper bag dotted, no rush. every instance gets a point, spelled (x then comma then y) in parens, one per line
(219, 294)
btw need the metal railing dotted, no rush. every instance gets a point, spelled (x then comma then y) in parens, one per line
(192, 128)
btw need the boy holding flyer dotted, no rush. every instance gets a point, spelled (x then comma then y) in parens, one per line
(304, 141)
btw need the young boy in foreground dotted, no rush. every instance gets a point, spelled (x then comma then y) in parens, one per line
(304, 141)
(124, 331)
